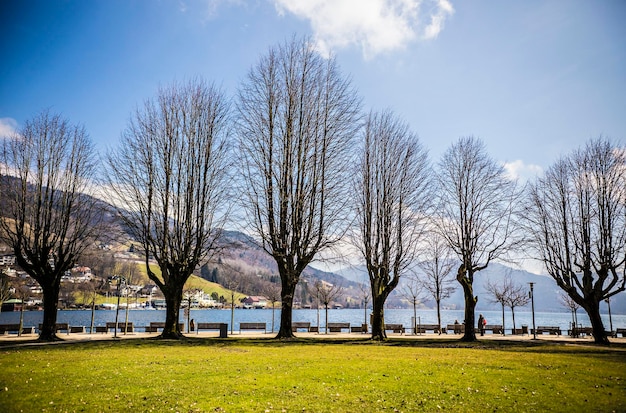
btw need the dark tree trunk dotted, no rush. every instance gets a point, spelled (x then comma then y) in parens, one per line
(378, 317)
(438, 315)
(287, 293)
(470, 306)
(599, 333)
(50, 307)
(173, 299)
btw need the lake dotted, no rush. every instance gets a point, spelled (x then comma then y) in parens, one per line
(353, 316)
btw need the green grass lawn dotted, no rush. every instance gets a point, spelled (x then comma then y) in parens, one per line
(248, 375)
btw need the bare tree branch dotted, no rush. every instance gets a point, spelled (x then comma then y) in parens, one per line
(391, 186)
(476, 214)
(576, 219)
(47, 219)
(297, 119)
(169, 176)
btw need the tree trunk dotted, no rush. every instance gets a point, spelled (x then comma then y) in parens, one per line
(503, 325)
(50, 306)
(173, 299)
(326, 314)
(599, 334)
(470, 306)
(439, 315)
(286, 293)
(378, 317)
(513, 315)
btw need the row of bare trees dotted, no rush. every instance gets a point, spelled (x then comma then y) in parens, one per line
(308, 170)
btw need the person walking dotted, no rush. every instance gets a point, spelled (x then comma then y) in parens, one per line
(481, 324)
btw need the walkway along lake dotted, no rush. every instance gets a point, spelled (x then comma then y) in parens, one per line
(355, 317)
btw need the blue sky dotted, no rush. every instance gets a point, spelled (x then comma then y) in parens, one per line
(533, 79)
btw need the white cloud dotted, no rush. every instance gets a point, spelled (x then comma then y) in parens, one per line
(521, 171)
(8, 127)
(376, 26)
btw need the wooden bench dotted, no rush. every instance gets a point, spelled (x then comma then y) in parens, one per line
(423, 328)
(552, 330)
(455, 328)
(297, 325)
(122, 326)
(101, 329)
(396, 328)
(7, 328)
(520, 331)
(59, 327)
(494, 328)
(155, 326)
(77, 329)
(619, 331)
(578, 331)
(253, 326)
(337, 327)
(359, 329)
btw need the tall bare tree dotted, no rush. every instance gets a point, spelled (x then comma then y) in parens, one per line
(437, 265)
(508, 294)
(577, 222)
(326, 293)
(297, 119)
(414, 292)
(391, 187)
(476, 215)
(47, 220)
(169, 176)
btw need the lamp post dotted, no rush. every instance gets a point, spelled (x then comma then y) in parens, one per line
(532, 303)
(608, 302)
(119, 279)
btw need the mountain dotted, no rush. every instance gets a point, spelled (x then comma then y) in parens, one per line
(546, 292)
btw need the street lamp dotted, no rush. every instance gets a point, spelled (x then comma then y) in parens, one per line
(608, 302)
(120, 280)
(532, 301)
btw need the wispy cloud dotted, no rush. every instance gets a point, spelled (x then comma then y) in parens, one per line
(521, 171)
(376, 26)
(8, 127)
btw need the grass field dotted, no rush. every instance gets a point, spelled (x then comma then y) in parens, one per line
(259, 375)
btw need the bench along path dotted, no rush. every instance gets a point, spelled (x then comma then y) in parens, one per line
(396, 328)
(455, 328)
(553, 330)
(494, 328)
(252, 326)
(423, 328)
(15, 328)
(337, 327)
(300, 325)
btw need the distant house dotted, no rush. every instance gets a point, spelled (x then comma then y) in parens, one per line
(255, 301)
(7, 260)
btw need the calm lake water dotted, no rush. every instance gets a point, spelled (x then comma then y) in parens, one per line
(352, 316)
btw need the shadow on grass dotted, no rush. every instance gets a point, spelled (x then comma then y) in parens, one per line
(552, 346)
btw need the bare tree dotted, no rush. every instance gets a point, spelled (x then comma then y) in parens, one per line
(577, 224)
(437, 268)
(326, 293)
(567, 302)
(508, 294)
(272, 292)
(47, 219)
(500, 292)
(517, 297)
(297, 119)
(413, 292)
(365, 293)
(169, 176)
(391, 187)
(476, 215)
